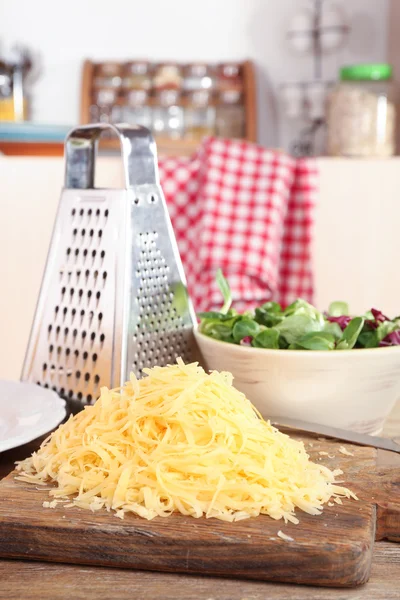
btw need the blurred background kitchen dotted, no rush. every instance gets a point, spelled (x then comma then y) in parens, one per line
(314, 78)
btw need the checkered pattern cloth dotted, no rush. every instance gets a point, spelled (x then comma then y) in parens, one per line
(248, 210)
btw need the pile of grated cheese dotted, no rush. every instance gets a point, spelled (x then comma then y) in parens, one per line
(180, 440)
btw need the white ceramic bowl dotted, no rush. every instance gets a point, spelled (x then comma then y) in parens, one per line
(351, 389)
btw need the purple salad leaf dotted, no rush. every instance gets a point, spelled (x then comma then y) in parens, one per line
(392, 339)
(342, 321)
(379, 316)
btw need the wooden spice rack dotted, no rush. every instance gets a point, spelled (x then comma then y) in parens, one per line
(169, 146)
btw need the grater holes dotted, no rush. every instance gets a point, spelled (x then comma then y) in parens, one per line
(102, 337)
(76, 353)
(89, 212)
(96, 379)
(94, 252)
(78, 374)
(70, 394)
(68, 251)
(83, 232)
(106, 213)
(76, 252)
(98, 212)
(85, 355)
(79, 396)
(62, 391)
(94, 357)
(87, 377)
(73, 212)
(89, 398)
(85, 252)
(136, 201)
(81, 212)
(67, 351)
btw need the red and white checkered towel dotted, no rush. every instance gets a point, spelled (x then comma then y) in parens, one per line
(248, 210)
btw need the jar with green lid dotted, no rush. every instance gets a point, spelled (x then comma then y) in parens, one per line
(361, 112)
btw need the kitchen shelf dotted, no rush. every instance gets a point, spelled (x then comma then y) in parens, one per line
(182, 146)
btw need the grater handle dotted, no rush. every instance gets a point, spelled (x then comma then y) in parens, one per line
(138, 151)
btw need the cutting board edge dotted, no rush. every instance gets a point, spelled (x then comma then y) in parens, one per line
(356, 556)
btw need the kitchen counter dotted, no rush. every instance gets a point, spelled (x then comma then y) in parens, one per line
(45, 581)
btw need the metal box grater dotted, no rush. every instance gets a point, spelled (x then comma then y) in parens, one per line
(113, 297)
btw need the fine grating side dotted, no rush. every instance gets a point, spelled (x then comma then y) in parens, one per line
(157, 315)
(113, 297)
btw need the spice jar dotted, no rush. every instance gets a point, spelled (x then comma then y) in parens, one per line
(136, 110)
(167, 77)
(197, 76)
(199, 115)
(168, 114)
(230, 117)
(137, 76)
(229, 76)
(361, 112)
(107, 75)
(105, 99)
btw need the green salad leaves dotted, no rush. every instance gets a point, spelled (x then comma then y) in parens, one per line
(300, 326)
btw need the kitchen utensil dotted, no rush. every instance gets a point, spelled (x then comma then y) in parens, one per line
(332, 549)
(340, 434)
(113, 297)
(26, 413)
(347, 389)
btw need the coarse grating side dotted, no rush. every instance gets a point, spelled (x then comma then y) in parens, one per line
(113, 297)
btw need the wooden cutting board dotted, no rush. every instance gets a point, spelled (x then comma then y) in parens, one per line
(333, 549)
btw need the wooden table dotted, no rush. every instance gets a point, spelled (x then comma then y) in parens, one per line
(21, 580)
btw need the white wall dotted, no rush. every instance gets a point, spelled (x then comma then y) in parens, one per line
(66, 32)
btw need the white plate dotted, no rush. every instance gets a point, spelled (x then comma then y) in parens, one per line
(27, 411)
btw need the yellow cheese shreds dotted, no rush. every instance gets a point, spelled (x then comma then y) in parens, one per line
(180, 440)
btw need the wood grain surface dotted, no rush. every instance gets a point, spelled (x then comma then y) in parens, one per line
(46, 581)
(334, 549)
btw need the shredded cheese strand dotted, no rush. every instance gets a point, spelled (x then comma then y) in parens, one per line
(180, 440)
